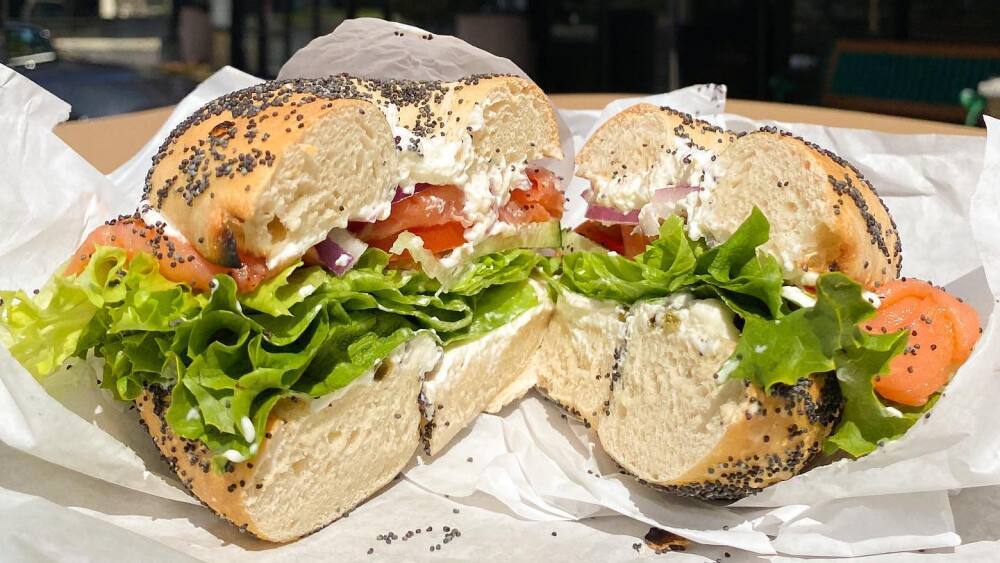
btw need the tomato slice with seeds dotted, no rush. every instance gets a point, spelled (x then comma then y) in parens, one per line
(942, 332)
(608, 236)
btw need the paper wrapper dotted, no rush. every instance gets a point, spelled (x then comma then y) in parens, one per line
(529, 464)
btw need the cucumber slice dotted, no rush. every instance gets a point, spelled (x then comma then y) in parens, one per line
(534, 235)
(575, 242)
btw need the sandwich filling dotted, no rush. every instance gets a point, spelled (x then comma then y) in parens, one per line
(451, 255)
(892, 352)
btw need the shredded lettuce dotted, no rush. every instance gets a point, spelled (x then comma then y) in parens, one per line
(228, 358)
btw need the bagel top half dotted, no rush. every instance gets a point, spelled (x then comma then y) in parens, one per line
(269, 170)
(824, 215)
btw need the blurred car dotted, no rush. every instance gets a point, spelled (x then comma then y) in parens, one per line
(92, 89)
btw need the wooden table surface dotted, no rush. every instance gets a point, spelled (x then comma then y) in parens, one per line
(109, 141)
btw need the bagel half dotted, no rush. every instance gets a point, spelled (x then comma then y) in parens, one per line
(667, 419)
(320, 457)
(483, 375)
(270, 170)
(824, 215)
(671, 423)
(636, 152)
(267, 172)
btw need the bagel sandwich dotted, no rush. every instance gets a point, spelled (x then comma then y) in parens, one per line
(321, 275)
(752, 314)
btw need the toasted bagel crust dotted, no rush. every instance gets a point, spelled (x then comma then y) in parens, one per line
(815, 201)
(234, 177)
(780, 434)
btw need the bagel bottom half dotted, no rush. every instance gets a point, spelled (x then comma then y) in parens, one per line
(672, 424)
(320, 457)
(578, 353)
(482, 375)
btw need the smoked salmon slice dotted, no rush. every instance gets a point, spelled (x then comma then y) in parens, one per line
(179, 261)
(942, 332)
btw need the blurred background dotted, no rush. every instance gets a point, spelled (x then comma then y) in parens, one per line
(921, 58)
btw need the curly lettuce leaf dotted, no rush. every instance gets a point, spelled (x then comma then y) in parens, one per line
(867, 421)
(512, 266)
(822, 338)
(744, 278)
(805, 341)
(276, 296)
(747, 280)
(493, 308)
(70, 315)
(229, 358)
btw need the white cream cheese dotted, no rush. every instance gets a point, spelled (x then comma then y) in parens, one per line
(872, 298)
(684, 165)
(249, 432)
(234, 456)
(151, 217)
(293, 250)
(288, 254)
(452, 160)
(798, 296)
(705, 323)
(590, 316)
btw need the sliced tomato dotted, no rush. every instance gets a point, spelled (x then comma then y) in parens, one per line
(437, 238)
(441, 237)
(942, 333)
(634, 242)
(179, 261)
(431, 206)
(608, 236)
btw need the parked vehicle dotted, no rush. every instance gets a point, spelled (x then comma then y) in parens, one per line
(92, 89)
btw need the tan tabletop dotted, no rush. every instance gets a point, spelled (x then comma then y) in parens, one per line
(109, 141)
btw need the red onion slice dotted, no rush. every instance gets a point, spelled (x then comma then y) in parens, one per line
(401, 195)
(611, 215)
(673, 193)
(339, 251)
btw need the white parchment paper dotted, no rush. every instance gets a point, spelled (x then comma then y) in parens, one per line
(529, 464)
